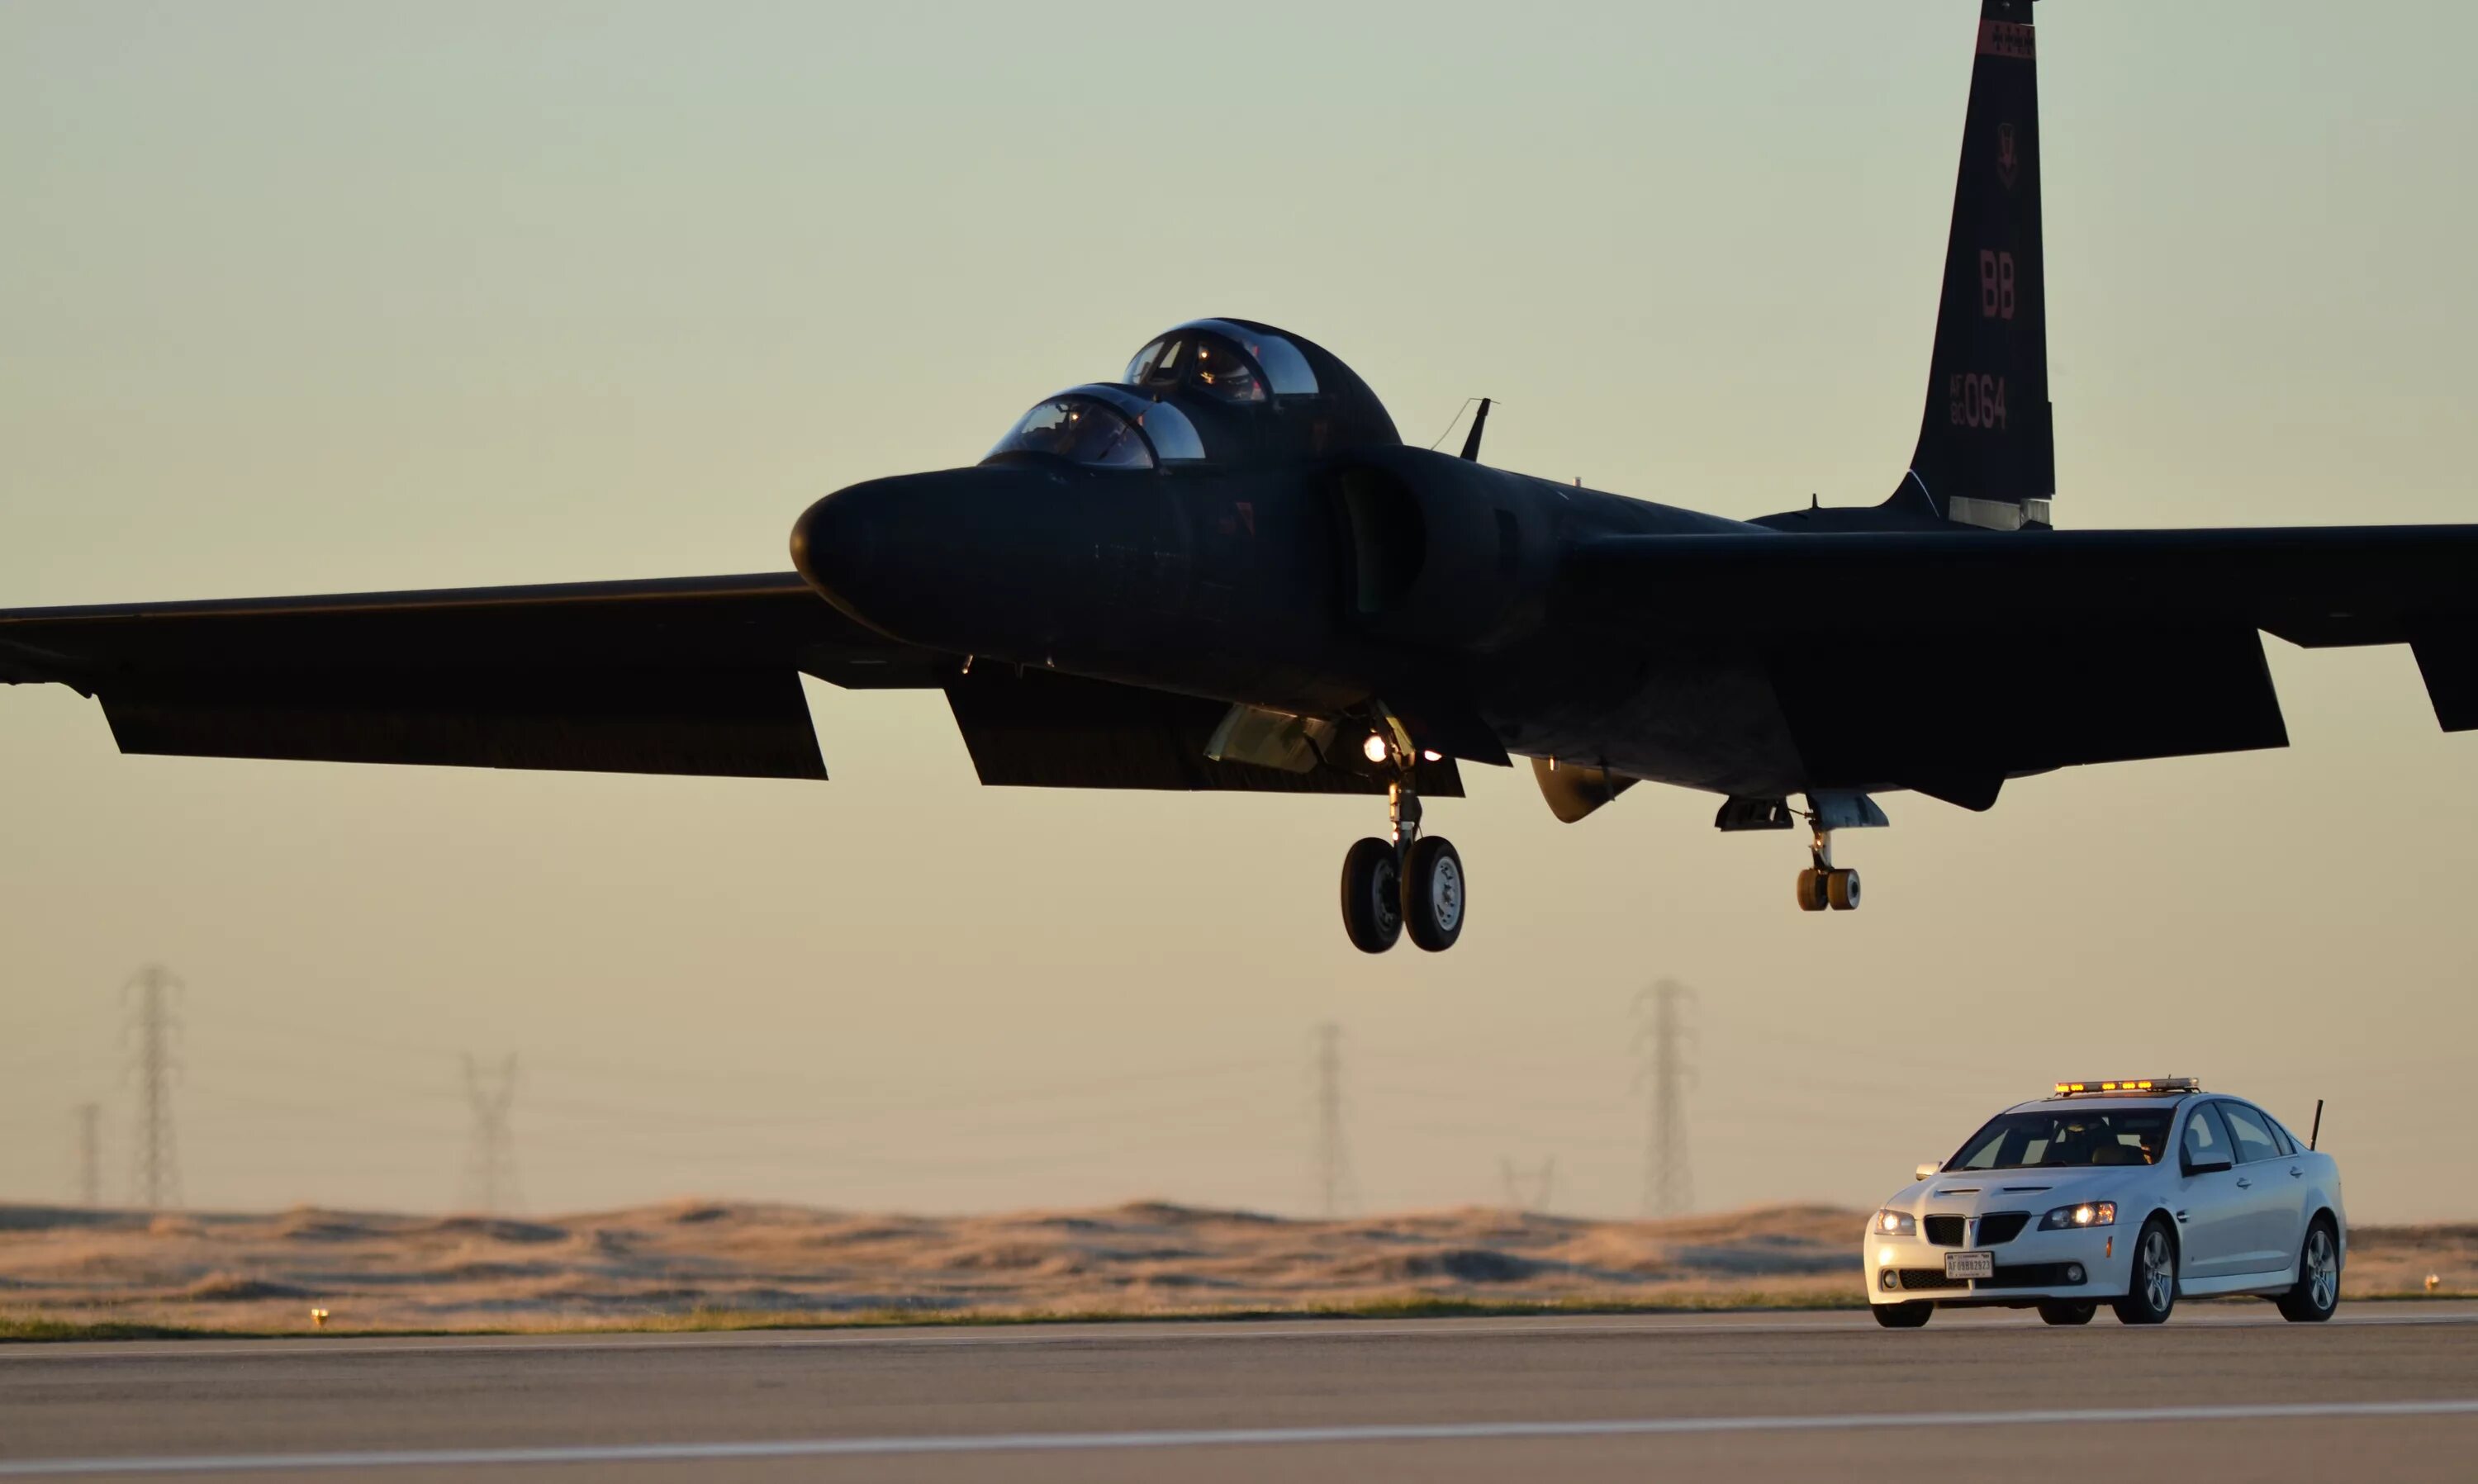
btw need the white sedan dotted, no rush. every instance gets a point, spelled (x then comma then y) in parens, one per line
(2133, 1193)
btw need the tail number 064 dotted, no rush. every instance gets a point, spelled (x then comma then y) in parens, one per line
(1976, 400)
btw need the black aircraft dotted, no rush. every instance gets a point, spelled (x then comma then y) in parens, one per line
(1225, 570)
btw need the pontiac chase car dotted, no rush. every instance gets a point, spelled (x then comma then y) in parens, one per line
(2129, 1192)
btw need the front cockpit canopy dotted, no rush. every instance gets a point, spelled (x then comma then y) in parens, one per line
(1101, 426)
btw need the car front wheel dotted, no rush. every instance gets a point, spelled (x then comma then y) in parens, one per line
(2152, 1292)
(2318, 1293)
(1902, 1315)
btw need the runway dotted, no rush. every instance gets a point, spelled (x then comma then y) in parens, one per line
(2388, 1390)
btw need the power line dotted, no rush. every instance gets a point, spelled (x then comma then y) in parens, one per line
(158, 1167)
(1668, 1184)
(89, 1165)
(1334, 1192)
(490, 1161)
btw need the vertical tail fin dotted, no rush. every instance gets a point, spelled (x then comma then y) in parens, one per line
(1987, 451)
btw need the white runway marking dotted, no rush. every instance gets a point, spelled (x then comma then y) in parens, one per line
(1244, 1330)
(1225, 1437)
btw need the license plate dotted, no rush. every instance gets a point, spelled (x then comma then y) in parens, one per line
(1970, 1264)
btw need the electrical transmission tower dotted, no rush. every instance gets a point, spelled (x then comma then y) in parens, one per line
(89, 1164)
(152, 1025)
(1334, 1192)
(1529, 1189)
(490, 1162)
(1668, 1184)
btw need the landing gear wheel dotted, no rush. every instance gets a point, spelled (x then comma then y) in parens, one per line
(1842, 889)
(1902, 1315)
(1812, 890)
(1432, 893)
(1372, 895)
(2318, 1293)
(2152, 1291)
(2065, 1313)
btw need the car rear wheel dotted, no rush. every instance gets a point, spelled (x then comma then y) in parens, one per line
(2318, 1293)
(2152, 1292)
(1902, 1315)
(2067, 1313)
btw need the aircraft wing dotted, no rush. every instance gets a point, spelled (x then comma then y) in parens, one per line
(674, 675)
(2012, 599)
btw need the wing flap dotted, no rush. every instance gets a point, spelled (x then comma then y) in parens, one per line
(1040, 729)
(745, 723)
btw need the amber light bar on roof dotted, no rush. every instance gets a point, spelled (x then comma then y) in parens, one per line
(2130, 1084)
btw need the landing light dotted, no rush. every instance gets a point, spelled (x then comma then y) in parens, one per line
(1431, 755)
(1374, 748)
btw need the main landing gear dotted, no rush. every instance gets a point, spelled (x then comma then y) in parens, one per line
(1410, 881)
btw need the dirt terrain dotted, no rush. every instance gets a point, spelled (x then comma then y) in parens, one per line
(722, 1262)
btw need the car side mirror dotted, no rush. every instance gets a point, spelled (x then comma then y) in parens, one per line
(1928, 1170)
(2208, 1167)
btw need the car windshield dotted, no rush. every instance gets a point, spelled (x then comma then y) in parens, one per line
(2053, 1138)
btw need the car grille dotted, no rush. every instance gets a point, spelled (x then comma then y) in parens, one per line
(1913, 1278)
(1948, 1231)
(2003, 1226)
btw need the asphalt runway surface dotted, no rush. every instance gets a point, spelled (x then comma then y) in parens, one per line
(2224, 1391)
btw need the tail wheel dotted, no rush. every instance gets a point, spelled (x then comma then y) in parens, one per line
(1902, 1315)
(1372, 895)
(2067, 1313)
(1842, 889)
(1812, 890)
(2151, 1292)
(2318, 1294)
(1432, 893)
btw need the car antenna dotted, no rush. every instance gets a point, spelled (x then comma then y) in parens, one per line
(2317, 1132)
(1471, 440)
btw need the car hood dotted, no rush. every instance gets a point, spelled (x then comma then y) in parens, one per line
(1970, 1193)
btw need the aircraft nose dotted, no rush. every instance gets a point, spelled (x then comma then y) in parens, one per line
(914, 555)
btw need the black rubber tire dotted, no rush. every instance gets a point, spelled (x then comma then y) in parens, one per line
(2304, 1304)
(1902, 1315)
(1810, 890)
(2143, 1303)
(1434, 900)
(1372, 895)
(1842, 889)
(2069, 1311)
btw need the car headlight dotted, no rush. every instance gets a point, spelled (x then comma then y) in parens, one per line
(1893, 1223)
(2090, 1213)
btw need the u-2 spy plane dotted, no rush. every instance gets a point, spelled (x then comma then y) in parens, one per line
(1225, 570)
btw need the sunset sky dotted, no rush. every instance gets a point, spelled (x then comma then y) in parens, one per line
(309, 298)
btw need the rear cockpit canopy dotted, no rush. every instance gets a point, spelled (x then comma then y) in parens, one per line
(1224, 391)
(1225, 361)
